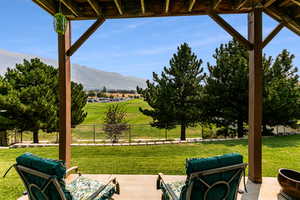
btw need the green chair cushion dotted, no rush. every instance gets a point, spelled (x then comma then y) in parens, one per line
(201, 164)
(83, 187)
(199, 189)
(47, 166)
(35, 183)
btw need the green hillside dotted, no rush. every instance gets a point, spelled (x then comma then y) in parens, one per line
(96, 112)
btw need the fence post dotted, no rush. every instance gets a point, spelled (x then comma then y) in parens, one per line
(129, 134)
(94, 133)
(15, 136)
(166, 133)
(57, 137)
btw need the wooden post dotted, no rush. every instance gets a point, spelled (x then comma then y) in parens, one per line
(64, 43)
(255, 95)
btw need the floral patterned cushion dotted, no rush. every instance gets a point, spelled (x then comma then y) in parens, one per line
(176, 187)
(81, 188)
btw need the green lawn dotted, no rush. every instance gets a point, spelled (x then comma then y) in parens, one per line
(140, 125)
(96, 112)
(277, 152)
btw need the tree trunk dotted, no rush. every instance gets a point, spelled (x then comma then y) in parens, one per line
(3, 138)
(240, 128)
(36, 137)
(183, 128)
(265, 130)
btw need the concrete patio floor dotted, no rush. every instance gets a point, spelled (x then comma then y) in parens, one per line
(143, 187)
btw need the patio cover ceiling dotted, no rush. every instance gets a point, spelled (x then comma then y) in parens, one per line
(284, 11)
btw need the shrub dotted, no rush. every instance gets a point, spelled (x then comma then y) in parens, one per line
(115, 122)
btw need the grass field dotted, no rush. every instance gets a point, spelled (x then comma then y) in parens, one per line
(139, 129)
(96, 112)
(277, 152)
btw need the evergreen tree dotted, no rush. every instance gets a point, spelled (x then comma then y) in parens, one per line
(30, 93)
(35, 83)
(79, 100)
(226, 90)
(281, 105)
(174, 96)
(227, 87)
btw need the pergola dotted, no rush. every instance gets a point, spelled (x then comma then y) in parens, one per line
(286, 12)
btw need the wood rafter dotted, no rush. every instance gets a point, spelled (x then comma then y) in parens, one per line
(71, 6)
(216, 4)
(286, 20)
(269, 3)
(273, 33)
(285, 3)
(47, 5)
(95, 6)
(167, 6)
(241, 4)
(297, 2)
(85, 36)
(118, 5)
(143, 6)
(227, 27)
(191, 5)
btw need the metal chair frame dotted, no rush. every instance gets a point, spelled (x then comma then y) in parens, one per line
(53, 179)
(199, 176)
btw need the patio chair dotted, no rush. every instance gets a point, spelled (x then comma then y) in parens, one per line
(44, 179)
(214, 178)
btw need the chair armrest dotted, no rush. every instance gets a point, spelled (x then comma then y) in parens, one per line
(75, 168)
(161, 182)
(101, 188)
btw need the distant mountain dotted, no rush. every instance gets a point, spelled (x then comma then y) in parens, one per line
(89, 77)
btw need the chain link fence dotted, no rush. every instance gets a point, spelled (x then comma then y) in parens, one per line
(135, 133)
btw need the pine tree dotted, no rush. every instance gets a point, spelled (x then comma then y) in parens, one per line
(79, 99)
(30, 93)
(226, 90)
(281, 94)
(175, 95)
(227, 87)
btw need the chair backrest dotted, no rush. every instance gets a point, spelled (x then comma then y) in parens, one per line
(214, 178)
(43, 178)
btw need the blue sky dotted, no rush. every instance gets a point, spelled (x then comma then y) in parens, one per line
(133, 47)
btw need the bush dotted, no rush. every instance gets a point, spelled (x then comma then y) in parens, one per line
(115, 122)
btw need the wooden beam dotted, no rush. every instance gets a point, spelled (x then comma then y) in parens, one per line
(282, 18)
(255, 96)
(95, 6)
(71, 6)
(269, 3)
(167, 6)
(297, 2)
(271, 35)
(65, 138)
(241, 4)
(227, 27)
(216, 3)
(85, 36)
(49, 6)
(143, 6)
(285, 3)
(118, 5)
(191, 5)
